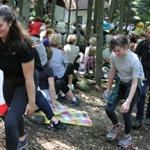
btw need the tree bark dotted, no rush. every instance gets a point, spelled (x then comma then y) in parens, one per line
(24, 10)
(111, 10)
(77, 28)
(99, 60)
(89, 18)
(122, 4)
(68, 25)
(53, 5)
(39, 8)
(95, 17)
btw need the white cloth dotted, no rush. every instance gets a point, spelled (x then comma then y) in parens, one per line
(61, 26)
(2, 101)
(128, 66)
(71, 52)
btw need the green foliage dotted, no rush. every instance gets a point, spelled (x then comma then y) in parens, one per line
(141, 7)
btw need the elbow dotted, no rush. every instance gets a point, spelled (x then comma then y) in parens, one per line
(52, 90)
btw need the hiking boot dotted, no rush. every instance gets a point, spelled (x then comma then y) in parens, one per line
(147, 121)
(113, 132)
(125, 142)
(136, 123)
(22, 144)
(56, 127)
(76, 103)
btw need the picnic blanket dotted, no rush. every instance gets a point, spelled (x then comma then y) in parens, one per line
(69, 115)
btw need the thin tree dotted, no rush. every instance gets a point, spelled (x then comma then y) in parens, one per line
(39, 8)
(24, 11)
(111, 9)
(99, 60)
(77, 28)
(53, 6)
(11, 3)
(128, 15)
(68, 25)
(122, 6)
(89, 18)
(95, 17)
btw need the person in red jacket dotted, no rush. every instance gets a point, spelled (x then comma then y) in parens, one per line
(35, 27)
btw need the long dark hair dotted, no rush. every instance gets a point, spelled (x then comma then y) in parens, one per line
(17, 37)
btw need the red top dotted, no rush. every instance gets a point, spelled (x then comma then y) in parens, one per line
(35, 28)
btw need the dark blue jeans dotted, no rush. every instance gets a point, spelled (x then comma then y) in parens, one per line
(110, 109)
(16, 98)
(141, 103)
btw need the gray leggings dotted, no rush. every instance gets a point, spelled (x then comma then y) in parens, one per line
(110, 109)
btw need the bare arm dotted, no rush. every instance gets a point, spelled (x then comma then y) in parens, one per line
(52, 91)
(133, 89)
(126, 105)
(110, 78)
(28, 70)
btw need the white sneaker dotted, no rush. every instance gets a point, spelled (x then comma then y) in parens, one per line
(71, 87)
(56, 96)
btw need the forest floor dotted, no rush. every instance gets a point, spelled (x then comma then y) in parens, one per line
(81, 137)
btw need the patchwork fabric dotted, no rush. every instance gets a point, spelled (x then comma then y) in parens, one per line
(69, 116)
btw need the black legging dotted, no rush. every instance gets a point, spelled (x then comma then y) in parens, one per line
(69, 71)
(110, 109)
(16, 98)
(60, 84)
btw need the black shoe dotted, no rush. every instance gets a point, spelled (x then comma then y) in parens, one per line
(22, 144)
(136, 124)
(76, 103)
(56, 127)
(63, 99)
(147, 121)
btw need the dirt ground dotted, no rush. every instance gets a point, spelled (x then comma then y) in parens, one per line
(81, 137)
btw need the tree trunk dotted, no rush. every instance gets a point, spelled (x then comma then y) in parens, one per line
(122, 4)
(11, 3)
(99, 60)
(68, 25)
(77, 28)
(24, 11)
(89, 18)
(95, 17)
(128, 8)
(39, 8)
(111, 10)
(53, 5)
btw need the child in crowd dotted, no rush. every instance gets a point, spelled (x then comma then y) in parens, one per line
(130, 71)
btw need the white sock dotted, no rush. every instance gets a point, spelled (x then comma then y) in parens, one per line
(74, 99)
(56, 122)
(62, 95)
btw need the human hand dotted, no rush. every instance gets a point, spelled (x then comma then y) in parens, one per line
(55, 106)
(30, 108)
(125, 107)
(106, 94)
(107, 91)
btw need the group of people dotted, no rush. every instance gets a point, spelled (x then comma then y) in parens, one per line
(33, 64)
(26, 70)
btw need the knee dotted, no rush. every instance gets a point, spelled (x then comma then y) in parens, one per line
(70, 66)
(60, 83)
(10, 124)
